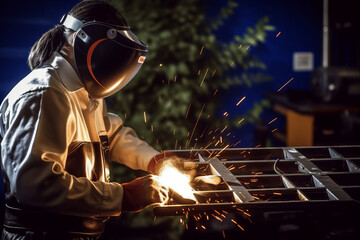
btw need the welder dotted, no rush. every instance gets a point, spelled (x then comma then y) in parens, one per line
(57, 137)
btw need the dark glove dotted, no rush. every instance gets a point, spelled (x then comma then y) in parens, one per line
(142, 192)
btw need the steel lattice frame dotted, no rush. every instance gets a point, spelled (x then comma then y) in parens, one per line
(268, 179)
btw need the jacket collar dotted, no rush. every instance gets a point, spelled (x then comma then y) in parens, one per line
(66, 72)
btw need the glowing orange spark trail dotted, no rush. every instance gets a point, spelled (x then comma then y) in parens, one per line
(197, 121)
(278, 34)
(285, 84)
(213, 73)
(145, 117)
(222, 150)
(237, 143)
(240, 101)
(187, 112)
(223, 129)
(204, 77)
(202, 49)
(272, 120)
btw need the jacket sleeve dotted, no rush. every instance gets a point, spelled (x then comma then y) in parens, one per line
(126, 147)
(40, 127)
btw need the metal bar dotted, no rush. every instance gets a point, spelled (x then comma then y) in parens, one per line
(352, 167)
(334, 191)
(240, 192)
(188, 209)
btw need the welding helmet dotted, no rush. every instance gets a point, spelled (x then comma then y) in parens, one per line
(107, 56)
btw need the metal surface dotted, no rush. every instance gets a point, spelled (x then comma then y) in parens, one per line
(218, 168)
(261, 180)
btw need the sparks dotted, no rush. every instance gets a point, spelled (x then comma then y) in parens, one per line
(237, 143)
(240, 101)
(223, 150)
(197, 121)
(160, 65)
(272, 120)
(187, 112)
(213, 73)
(278, 34)
(247, 214)
(217, 217)
(202, 49)
(145, 117)
(274, 130)
(241, 120)
(285, 84)
(204, 77)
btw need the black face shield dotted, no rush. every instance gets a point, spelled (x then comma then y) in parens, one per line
(107, 56)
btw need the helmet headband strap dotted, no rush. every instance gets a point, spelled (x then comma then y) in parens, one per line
(71, 22)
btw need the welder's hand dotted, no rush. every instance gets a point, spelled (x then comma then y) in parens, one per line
(183, 165)
(208, 182)
(142, 192)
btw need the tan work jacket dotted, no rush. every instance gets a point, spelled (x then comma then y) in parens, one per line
(50, 147)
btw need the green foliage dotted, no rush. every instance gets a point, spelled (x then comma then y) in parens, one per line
(186, 66)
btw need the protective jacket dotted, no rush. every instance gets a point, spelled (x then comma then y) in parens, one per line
(56, 143)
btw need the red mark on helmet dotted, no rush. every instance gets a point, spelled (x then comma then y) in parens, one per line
(88, 59)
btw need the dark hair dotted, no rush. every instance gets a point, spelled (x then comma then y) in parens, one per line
(54, 39)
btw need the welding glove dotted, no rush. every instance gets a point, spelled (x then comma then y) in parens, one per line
(160, 160)
(142, 192)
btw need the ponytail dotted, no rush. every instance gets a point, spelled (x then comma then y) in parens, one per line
(54, 39)
(51, 41)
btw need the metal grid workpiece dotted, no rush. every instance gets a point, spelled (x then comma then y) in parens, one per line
(260, 180)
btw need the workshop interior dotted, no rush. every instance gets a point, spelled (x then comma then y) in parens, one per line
(262, 96)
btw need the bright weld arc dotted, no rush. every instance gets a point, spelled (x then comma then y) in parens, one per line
(172, 178)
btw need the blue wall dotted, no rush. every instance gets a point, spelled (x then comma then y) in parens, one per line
(300, 24)
(22, 22)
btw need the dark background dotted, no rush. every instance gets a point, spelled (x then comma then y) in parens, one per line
(299, 23)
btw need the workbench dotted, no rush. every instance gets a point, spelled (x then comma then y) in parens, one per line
(304, 116)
